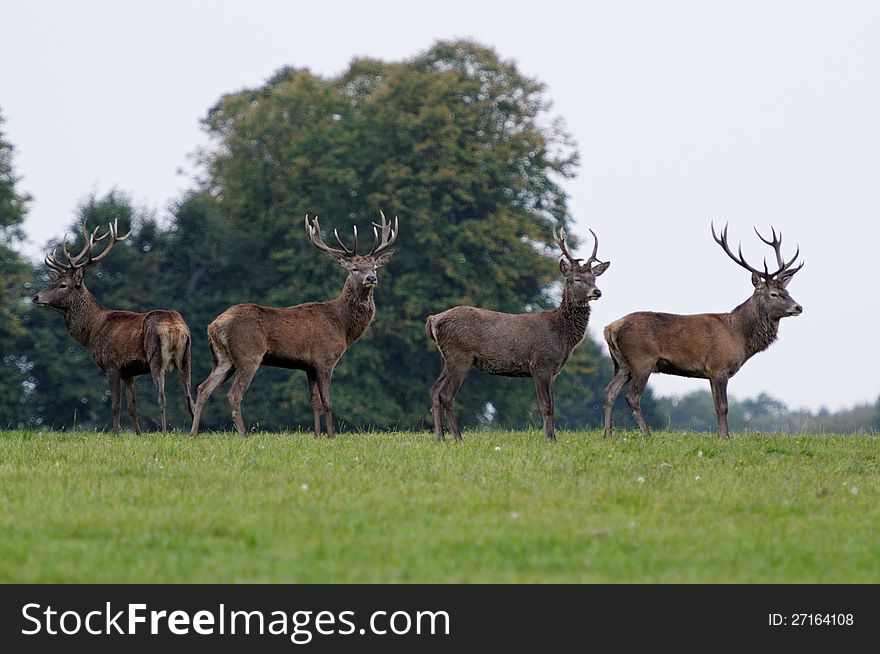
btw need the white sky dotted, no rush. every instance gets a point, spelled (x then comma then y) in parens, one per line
(753, 112)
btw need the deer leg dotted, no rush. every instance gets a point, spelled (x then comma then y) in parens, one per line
(316, 401)
(544, 386)
(157, 369)
(131, 394)
(634, 400)
(621, 377)
(184, 369)
(453, 382)
(244, 373)
(324, 384)
(222, 371)
(434, 393)
(115, 392)
(719, 396)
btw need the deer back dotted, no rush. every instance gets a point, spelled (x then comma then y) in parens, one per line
(498, 343)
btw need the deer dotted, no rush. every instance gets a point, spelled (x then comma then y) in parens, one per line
(311, 337)
(536, 344)
(711, 346)
(124, 344)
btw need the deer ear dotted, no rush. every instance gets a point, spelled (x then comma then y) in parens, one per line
(78, 275)
(341, 259)
(757, 282)
(602, 267)
(383, 258)
(564, 267)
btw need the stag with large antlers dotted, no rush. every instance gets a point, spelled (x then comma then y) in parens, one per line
(711, 346)
(123, 344)
(310, 337)
(533, 345)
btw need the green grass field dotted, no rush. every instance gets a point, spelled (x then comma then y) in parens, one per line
(501, 507)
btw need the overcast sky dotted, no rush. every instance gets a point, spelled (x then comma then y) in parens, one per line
(755, 113)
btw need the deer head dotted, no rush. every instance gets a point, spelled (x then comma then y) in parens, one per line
(67, 276)
(362, 268)
(580, 278)
(770, 294)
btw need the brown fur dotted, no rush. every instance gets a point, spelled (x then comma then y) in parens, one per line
(310, 337)
(533, 345)
(124, 344)
(711, 346)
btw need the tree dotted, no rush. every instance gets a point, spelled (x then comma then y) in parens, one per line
(14, 277)
(459, 144)
(456, 141)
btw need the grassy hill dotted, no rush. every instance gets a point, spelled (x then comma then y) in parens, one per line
(399, 507)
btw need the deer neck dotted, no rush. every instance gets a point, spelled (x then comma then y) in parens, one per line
(572, 319)
(757, 328)
(356, 308)
(83, 315)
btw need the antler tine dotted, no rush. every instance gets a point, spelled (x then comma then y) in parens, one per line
(739, 260)
(593, 256)
(348, 252)
(90, 240)
(776, 244)
(375, 238)
(114, 239)
(313, 230)
(52, 263)
(559, 237)
(389, 234)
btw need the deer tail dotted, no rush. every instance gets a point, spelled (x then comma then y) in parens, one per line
(611, 332)
(429, 329)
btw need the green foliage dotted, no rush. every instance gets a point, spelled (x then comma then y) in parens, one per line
(696, 412)
(399, 507)
(13, 203)
(14, 276)
(455, 142)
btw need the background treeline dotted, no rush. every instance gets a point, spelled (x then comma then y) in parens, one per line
(456, 141)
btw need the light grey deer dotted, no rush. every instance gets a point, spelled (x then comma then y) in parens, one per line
(533, 345)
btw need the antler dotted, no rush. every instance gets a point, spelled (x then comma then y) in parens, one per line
(75, 262)
(388, 233)
(559, 237)
(785, 269)
(776, 244)
(560, 241)
(313, 230)
(380, 244)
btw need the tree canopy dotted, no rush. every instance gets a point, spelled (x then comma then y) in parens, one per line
(457, 142)
(14, 276)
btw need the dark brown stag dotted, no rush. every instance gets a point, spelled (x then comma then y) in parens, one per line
(711, 346)
(310, 337)
(124, 344)
(533, 345)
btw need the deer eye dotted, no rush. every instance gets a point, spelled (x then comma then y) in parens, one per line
(774, 295)
(63, 286)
